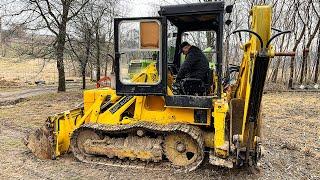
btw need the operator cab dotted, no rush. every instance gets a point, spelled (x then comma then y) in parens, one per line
(155, 42)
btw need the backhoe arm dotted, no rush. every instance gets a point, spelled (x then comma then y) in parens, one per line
(251, 80)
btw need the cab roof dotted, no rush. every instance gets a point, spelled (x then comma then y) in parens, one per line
(196, 16)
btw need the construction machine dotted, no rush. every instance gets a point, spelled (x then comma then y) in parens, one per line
(141, 123)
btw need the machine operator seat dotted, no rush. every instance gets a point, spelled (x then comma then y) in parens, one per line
(194, 86)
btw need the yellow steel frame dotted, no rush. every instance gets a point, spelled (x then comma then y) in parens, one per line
(153, 109)
(146, 108)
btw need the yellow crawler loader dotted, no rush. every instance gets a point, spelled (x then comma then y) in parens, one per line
(143, 123)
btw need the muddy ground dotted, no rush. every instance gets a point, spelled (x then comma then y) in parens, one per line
(291, 141)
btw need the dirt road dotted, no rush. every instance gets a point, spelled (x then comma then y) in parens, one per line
(13, 97)
(291, 141)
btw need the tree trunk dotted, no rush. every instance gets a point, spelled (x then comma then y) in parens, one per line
(1, 42)
(303, 66)
(275, 72)
(60, 63)
(98, 53)
(297, 42)
(83, 74)
(107, 59)
(283, 70)
(274, 75)
(74, 68)
(227, 58)
(61, 40)
(106, 68)
(210, 39)
(316, 72)
(210, 35)
(291, 72)
(86, 58)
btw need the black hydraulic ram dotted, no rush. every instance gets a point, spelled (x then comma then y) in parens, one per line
(258, 79)
(257, 84)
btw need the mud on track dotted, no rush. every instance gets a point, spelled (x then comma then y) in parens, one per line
(291, 141)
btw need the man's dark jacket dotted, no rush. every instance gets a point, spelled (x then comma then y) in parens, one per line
(196, 65)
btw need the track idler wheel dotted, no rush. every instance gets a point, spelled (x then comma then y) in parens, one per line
(182, 150)
(83, 137)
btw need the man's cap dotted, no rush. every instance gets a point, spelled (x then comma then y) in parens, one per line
(182, 45)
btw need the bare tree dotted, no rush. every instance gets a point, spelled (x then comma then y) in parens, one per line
(312, 34)
(81, 45)
(286, 25)
(298, 38)
(54, 15)
(87, 42)
(98, 19)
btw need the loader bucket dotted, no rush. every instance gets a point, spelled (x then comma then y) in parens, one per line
(53, 139)
(40, 143)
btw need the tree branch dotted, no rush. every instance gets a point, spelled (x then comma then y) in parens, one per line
(51, 13)
(77, 12)
(44, 16)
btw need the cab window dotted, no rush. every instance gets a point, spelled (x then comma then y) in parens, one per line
(139, 48)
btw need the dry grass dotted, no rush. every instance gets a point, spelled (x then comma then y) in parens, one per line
(31, 70)
(291, 140)
(6, 83)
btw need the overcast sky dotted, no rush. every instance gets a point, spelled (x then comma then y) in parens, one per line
(141, 8)
(149, 7)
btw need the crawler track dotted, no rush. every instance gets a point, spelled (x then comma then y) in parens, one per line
(161, 130)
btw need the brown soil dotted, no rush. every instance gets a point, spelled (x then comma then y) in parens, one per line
(291, 141)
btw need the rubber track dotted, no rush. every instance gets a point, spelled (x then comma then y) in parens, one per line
(192, 131)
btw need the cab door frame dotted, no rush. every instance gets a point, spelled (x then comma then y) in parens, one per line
(159, 89)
